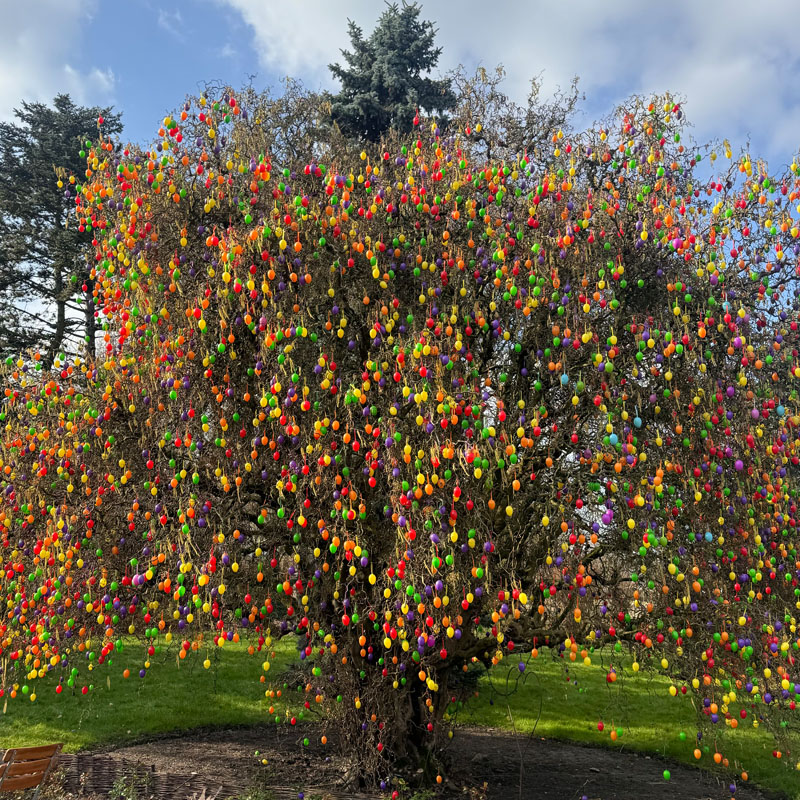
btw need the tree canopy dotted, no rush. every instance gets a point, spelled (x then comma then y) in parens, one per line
(424, 412)
(43, 259)
(384, 83)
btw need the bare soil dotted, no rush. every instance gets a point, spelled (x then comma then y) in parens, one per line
(511, 767)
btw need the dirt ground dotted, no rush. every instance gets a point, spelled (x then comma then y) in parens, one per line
(512, 767)
(229, 762)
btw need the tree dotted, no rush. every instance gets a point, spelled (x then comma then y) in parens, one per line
(498, 128)
(43, 258)
(383, 83)
(426, 417)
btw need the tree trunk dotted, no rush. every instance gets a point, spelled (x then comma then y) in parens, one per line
(61, 315)
(89, 325)
(409, 749)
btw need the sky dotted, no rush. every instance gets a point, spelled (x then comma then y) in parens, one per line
(734, 62)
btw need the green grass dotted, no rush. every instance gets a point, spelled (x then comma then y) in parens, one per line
(174, 696)
(553, 698)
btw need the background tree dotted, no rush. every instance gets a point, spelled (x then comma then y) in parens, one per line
(384, 80)
(43, 263)
(426, 414)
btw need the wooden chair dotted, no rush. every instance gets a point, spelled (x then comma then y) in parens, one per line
(27, 767)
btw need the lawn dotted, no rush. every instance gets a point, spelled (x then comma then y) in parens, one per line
(552, 698)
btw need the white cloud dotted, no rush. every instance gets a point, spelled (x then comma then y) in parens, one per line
(171, 22)
(37, 55)
(102, 80)
(737, 80)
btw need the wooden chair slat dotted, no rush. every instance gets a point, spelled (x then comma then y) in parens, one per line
(27, 767)
(20, 782)
(32, 753)
(38, 767)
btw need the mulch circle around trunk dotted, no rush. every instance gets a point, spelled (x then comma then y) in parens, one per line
(229, 762)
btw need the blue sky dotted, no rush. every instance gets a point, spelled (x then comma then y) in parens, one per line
(734, 62)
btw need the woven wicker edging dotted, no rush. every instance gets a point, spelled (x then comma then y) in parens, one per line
(87, 773)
